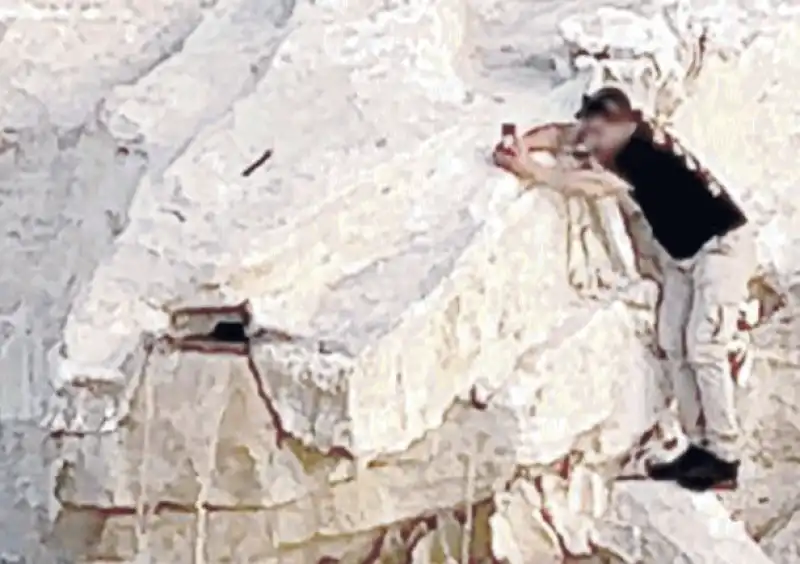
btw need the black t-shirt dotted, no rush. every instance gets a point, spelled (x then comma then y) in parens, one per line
(684, 206)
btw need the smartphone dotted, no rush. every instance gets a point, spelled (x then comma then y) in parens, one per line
(508, 135)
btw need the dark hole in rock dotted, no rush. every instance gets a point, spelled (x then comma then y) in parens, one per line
(229, 332)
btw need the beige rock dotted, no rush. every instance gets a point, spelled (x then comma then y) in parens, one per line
(656, 57)
(740, 154)
(519, 531)
(782, 545)
(549, 517)
(364, 349)
(681, 526)
(546, 389)
(754, 165)
(241, 459)
(65, 190)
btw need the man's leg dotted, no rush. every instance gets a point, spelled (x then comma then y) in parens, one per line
(673, 317)
(720, 279)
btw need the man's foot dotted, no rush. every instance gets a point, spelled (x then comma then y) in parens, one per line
(716, 474)
(697, 469)
(692, 457)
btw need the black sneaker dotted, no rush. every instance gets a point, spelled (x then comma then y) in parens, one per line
(714, 474)
(693, 457)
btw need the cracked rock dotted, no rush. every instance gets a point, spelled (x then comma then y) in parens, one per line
(358, 351)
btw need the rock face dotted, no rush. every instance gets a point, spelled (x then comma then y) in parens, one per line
(250, 318)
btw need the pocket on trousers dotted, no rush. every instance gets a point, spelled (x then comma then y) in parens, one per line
(724, 320)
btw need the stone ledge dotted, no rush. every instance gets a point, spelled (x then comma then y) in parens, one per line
(235, 458)
(172, 238)
(682, 526)
(327, 261)
(471, 325)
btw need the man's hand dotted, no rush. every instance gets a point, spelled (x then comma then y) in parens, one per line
(518, 162)
(511, 159)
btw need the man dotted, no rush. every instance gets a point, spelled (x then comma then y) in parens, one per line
(707, 257)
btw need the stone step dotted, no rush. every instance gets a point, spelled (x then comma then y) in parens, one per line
(679, 525)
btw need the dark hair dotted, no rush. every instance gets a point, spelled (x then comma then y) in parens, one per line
(608, 102)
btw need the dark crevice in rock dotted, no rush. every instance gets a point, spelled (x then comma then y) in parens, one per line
(283, 436)
(202, 321)
(229, 330)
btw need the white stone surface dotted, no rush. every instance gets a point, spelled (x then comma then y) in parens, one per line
(238, 457)
(782, 545)
(680, 526)
(656, 56)
(421, 378)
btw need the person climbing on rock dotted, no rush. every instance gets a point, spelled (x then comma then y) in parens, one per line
(707, 257)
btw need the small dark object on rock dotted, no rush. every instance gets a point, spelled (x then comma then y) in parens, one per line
(229, 332)
(476, 400)
(257, 163)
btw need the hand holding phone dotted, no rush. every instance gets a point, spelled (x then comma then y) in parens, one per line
(508, 135)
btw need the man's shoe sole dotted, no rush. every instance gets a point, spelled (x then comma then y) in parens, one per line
(730, 486)
(725, 485)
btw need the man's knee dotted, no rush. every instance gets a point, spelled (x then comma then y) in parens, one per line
(671, 343)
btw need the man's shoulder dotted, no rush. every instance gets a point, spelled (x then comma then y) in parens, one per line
(658, 134)
(666, 139)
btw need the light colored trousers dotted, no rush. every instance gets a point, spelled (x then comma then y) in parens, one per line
(697, 321)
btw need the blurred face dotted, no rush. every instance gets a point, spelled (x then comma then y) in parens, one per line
(596, 133)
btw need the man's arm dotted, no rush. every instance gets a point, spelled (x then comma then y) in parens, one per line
(595, 182)
(551, 137)
(583, 183)
(557, 139)
(589, 183)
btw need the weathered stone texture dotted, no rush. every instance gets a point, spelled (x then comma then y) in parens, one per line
(369, 347)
